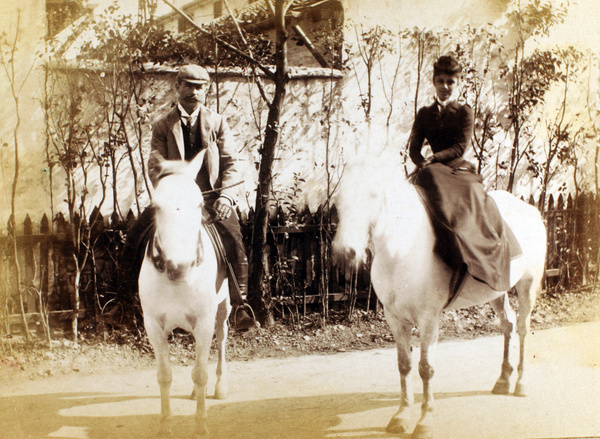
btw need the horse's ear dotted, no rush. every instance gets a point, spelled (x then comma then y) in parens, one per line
(195, 165)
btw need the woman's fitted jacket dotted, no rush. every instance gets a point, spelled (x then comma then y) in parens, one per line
(447, 130)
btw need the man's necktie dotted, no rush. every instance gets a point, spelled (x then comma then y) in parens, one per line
(187, 122)
(187, 132)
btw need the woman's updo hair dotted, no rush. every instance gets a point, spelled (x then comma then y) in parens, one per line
(446, 64)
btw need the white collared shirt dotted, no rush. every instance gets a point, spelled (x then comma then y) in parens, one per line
(442, 104)
(184, 114)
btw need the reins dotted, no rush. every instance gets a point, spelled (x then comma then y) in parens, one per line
(154, 249)
(223, 187)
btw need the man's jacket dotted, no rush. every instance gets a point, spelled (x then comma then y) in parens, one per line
(167, 140)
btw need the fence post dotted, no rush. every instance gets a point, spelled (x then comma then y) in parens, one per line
(550, 216)
(45, 276)
(30, 269)
(130, 219)
(593, 231)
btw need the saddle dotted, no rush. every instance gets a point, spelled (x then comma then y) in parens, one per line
(217, 240)
(471, 235)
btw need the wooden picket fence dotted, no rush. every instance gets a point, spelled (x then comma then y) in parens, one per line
(46, 260)
(573, 241)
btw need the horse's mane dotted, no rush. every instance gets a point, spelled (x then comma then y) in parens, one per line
(375, 201)
(382, 173)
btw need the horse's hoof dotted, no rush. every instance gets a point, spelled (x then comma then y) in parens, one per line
(501, 388)
(201, 432)
(520, 390)
(221, 392)
(422, 432)
(397, 426)
(164, 431)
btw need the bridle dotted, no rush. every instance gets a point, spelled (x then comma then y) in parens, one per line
(156, 253)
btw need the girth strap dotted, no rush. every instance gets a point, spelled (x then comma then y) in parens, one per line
(217, 241)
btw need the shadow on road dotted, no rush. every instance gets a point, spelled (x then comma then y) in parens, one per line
(102, 416)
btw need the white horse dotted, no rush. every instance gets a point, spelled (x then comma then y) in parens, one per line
(182, 286)
(378, 208)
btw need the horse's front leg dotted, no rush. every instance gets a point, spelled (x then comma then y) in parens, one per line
(402, 331)
(429, 337)
(203, 336)
(222, 330)
(502, 308)
(159, 340)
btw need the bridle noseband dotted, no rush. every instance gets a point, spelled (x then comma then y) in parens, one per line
(156, 253)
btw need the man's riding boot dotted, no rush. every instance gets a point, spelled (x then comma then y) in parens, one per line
(238, 287)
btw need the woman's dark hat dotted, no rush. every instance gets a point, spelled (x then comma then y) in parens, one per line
(193, 74)
(446, 64)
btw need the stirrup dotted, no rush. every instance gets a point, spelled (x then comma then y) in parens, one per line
(251, 315)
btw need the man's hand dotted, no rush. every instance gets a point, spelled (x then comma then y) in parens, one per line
(223, 208)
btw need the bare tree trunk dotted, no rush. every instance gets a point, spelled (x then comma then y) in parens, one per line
(134, 172)
(15, 247)
(75, 299)
(9, 69)
(325, 261)
(260, 288)
(138, 128)
(420, 59)
(513, 161)
(516, 114)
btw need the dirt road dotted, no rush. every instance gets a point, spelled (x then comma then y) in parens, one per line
(347, 395)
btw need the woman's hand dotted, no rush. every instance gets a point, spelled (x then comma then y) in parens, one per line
(428, 161)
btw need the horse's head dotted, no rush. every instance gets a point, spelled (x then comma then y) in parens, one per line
(178, 205)
(378, 209)
(359, 200)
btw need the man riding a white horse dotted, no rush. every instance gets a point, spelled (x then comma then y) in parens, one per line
(185, 130)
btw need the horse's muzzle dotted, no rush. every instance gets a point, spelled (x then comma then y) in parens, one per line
(344, 256)
(175, 271)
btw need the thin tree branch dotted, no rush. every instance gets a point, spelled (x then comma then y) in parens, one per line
(223, 43)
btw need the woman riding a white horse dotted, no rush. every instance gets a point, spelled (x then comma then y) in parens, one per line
(471, 235)
(414, 270)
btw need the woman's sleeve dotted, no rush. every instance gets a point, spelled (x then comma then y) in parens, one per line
(416, 139)
(464, 132)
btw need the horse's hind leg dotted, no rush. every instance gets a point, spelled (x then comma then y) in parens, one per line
(527, 288)
(401, 330)
(222, 329)
(503, 310)
(429, 337)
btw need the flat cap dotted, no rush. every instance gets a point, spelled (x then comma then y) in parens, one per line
(194, 74)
